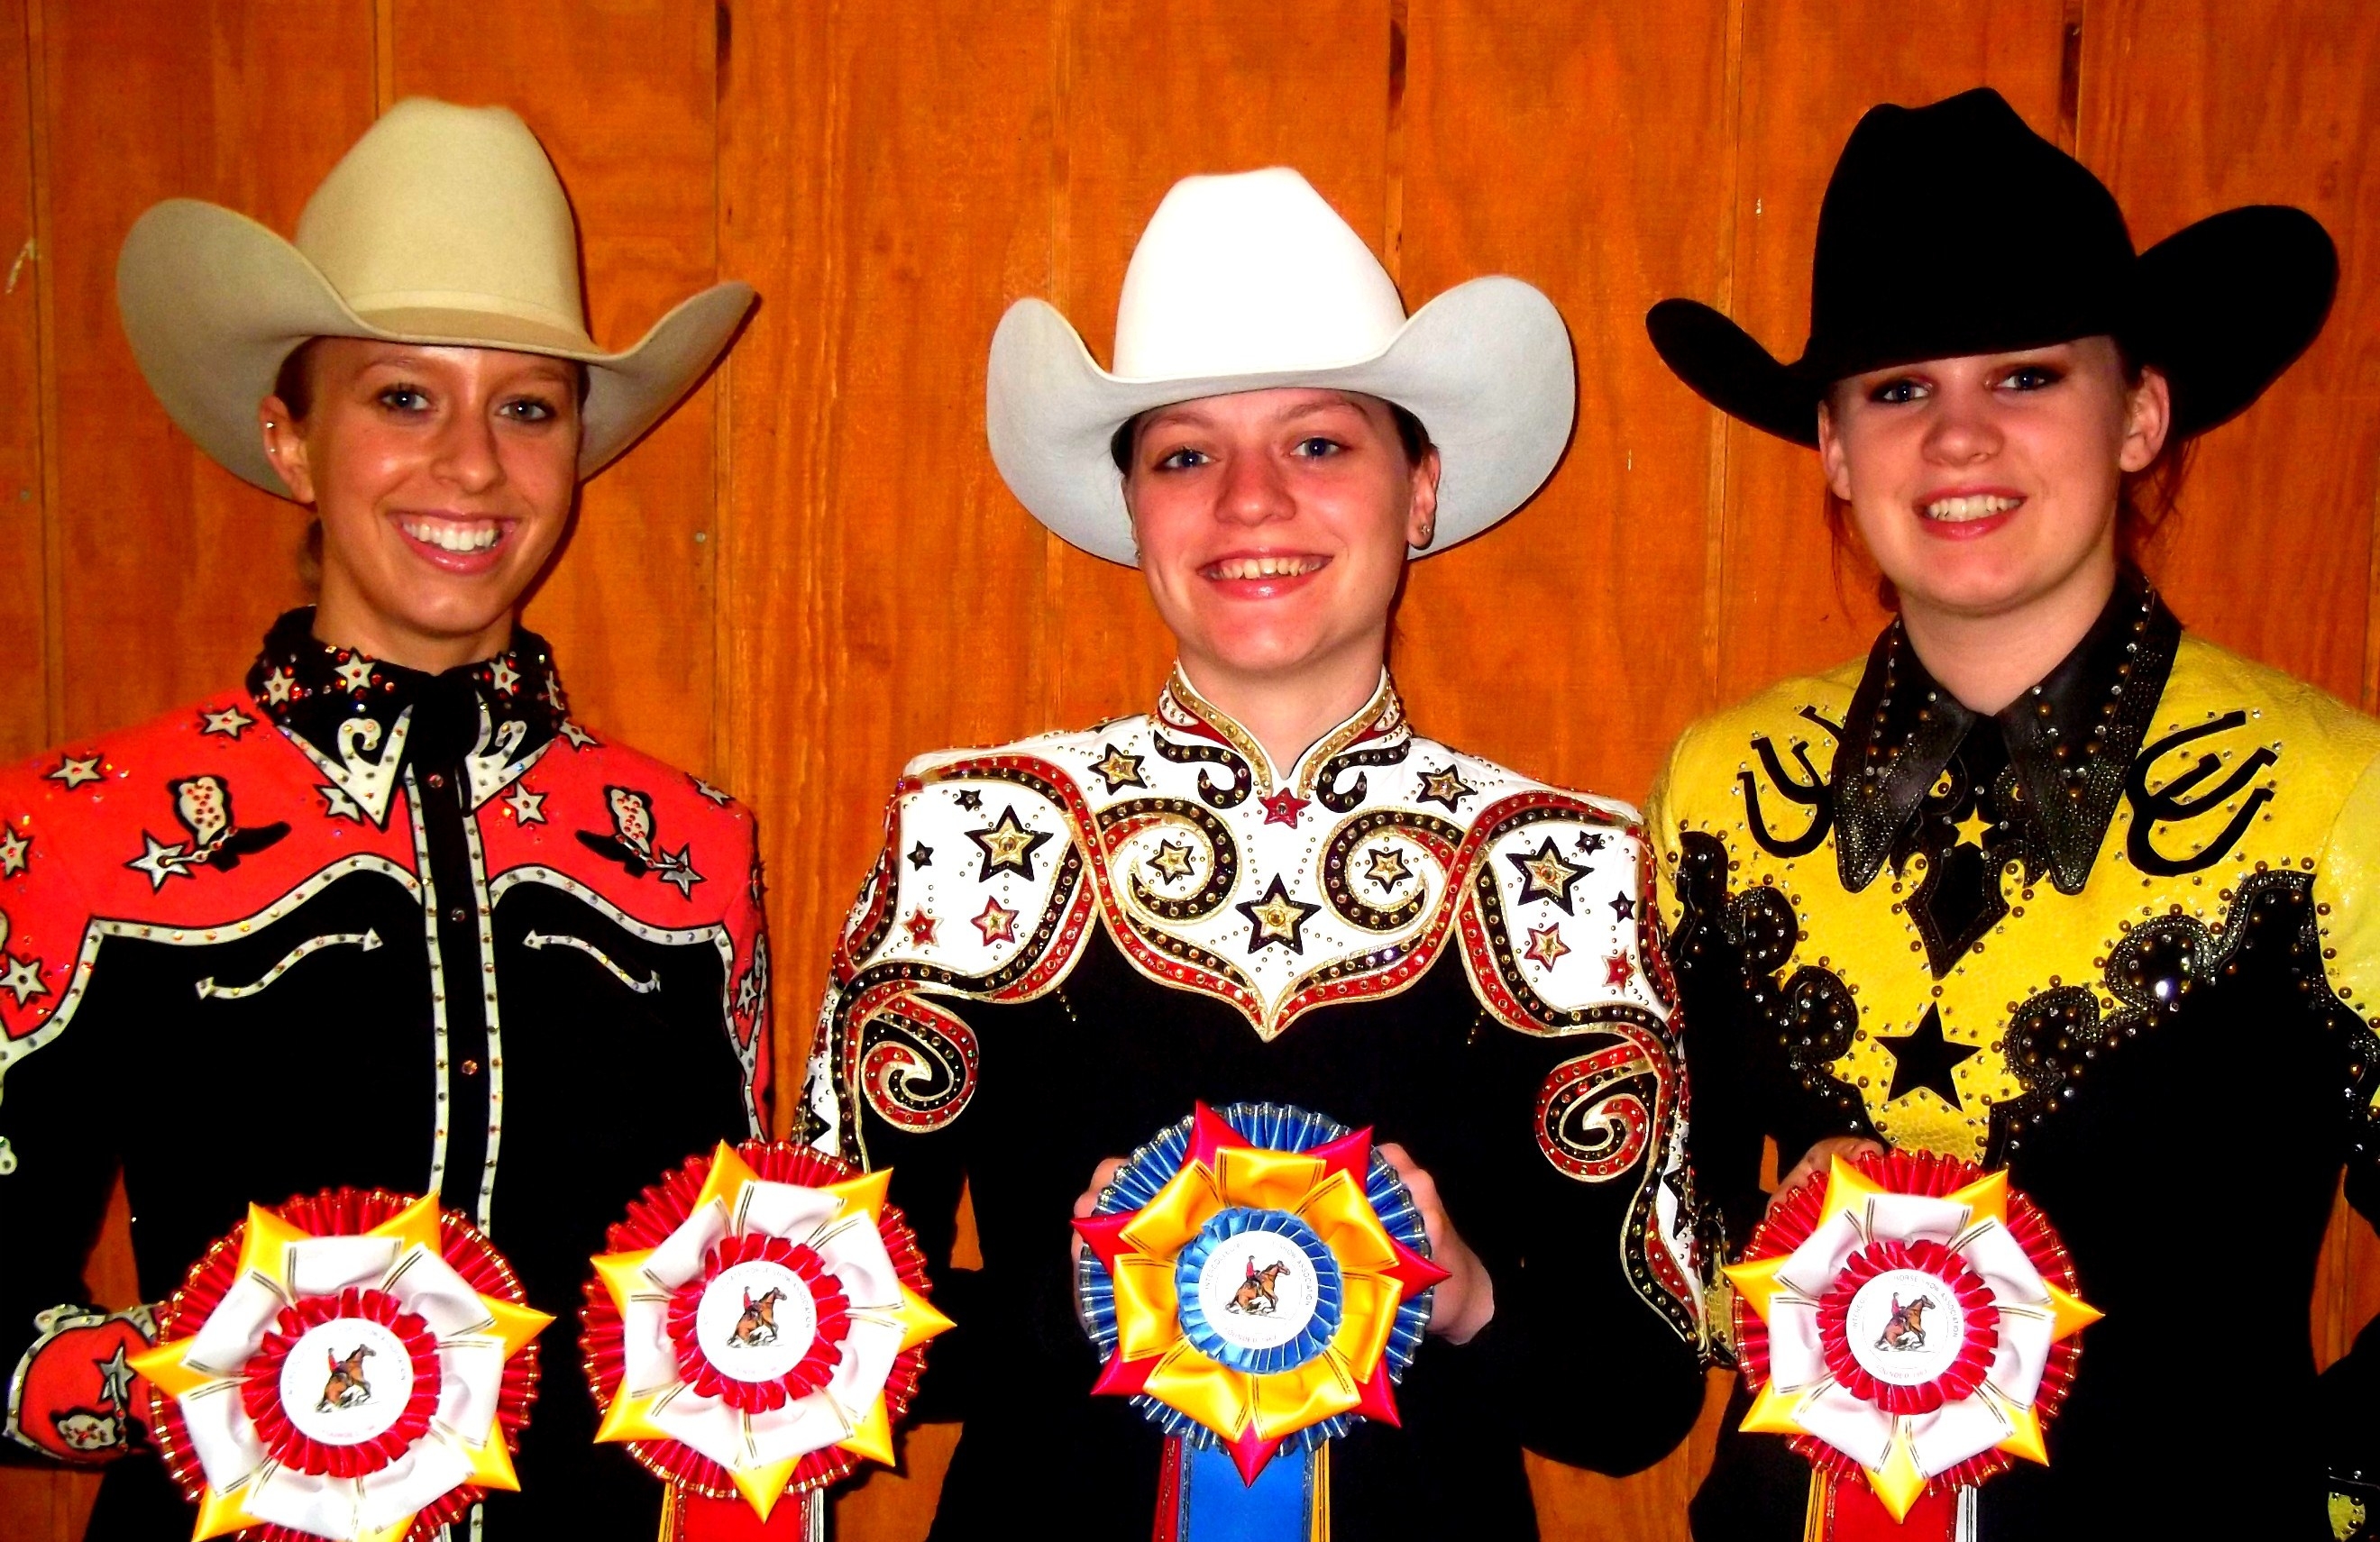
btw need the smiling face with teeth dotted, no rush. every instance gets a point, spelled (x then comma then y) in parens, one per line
(1272, 528)
(1986, 490)
(443, 479)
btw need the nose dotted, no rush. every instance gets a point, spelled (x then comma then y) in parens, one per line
(1254, 491)
(466, 454)
(1962, 430)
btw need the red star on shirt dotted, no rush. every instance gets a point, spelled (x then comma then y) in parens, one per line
(997, 922)
(1545, 945)
(921, 927)
(1283, 807)
(1618, 970)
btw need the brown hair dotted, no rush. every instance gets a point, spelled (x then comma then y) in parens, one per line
(2144, 499)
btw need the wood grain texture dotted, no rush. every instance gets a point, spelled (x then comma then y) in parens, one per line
(1810, 68)
(626, 606)
(172, 568)
(2192, 108)
(893, 176)
(24, 502)
(1610, 153)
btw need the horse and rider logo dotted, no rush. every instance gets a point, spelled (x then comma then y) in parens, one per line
(346, 1386)
(1256, 1297)
(757, 1328)
(1905, 1331)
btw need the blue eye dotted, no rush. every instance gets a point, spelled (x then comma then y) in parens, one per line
(1900, 390)
(404, 398)
(1316, 446)
(1183, 459)
(2032, 377)
(528, 409)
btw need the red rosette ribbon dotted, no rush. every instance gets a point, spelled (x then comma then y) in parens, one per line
(1909, 1318)
(259, 1388)
(379, 1353)
(750, 1303)
(830, 1309)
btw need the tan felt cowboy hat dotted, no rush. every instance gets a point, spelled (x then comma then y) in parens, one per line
(1250, 283)
(443, 226)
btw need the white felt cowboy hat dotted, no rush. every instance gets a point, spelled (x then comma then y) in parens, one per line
(443, 226)
(1250, 282)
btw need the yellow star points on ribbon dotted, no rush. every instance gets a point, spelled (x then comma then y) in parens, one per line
(630, 1414)
(392, 1531)
(1898, 1483)
(1147, 1306)
(221, 1514)
(763, 1485)
(264, 1252)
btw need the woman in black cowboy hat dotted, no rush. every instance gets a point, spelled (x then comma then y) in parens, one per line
(2045, 883)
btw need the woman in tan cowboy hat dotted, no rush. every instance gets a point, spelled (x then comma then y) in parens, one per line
(2045, 882)
(1270, 887)
(385, 916)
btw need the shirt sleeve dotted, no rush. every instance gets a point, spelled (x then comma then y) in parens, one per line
(2347, 915)
(1728, 950)
(1582, 1098)
(891, 1067)
(70, 1396)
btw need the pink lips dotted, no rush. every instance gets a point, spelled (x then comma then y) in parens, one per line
(1257, 586)
(461, 564)
(1969, 527)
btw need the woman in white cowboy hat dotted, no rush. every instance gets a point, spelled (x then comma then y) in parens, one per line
(2045, 883)
(386, 916)
(1269, 888)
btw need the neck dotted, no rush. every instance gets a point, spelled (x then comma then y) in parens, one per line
(342, 622)
(1287, 714)
(1989, 660)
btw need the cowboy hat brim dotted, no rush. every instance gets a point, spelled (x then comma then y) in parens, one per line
(1486, 367)
(2220, 308)
(214, 303)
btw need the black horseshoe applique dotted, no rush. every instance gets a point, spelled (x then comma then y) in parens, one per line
(2173, 803)
(1809, 791)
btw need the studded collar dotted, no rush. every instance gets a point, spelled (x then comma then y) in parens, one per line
(364, 718)
(2071, 739)
(1377, 733)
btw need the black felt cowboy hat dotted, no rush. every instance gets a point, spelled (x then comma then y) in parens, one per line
(1953, 229)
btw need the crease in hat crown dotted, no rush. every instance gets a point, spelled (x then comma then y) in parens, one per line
(441, 208)
(1251, 281)
(1251, 273)
(443, 226)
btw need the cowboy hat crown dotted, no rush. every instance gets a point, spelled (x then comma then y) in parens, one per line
(1253, 283)
(2221, 307)
(443, 226)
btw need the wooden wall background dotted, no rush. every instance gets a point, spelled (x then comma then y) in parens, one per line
(813, 571)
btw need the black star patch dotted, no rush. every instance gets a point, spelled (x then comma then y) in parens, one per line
(1445, 786)
(1544, 875)
(920, 855)
(1623, 907)
(1117, 769)
(970, 800)
(1924, 1059)
(1589, 843)
(1274, 917)
(1008, 845)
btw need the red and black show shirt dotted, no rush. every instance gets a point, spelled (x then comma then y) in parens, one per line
(359, 925)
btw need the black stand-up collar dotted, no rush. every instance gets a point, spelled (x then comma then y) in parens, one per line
(2071, 739)
(312, 689)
